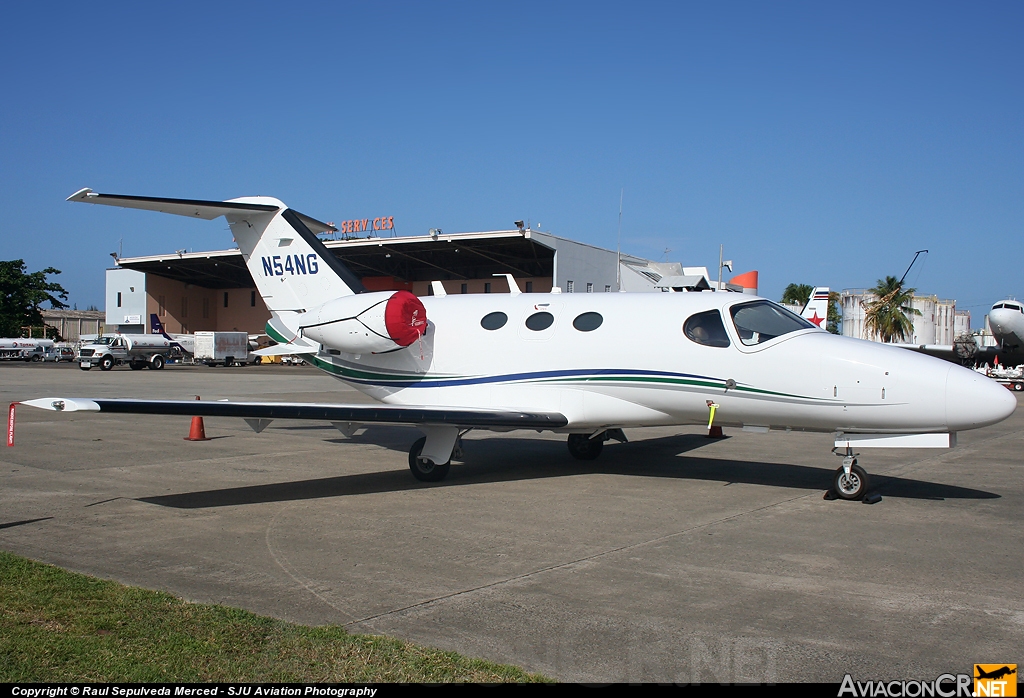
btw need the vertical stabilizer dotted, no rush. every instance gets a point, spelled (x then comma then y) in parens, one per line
(816, 310)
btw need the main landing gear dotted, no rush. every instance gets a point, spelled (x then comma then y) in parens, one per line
(424, 469)
(851, 480)
(589, 446)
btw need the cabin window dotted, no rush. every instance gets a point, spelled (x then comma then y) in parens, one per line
(587, 322)
(706, 328)
(760, 321)
(540, 321)
(494, 321)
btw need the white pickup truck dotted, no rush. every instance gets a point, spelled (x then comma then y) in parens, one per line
(135, 350)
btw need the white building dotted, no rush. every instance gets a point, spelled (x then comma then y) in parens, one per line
(938, 322)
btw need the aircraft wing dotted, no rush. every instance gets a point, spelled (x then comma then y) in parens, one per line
(940, 351)
(363, 414)
(981, 355)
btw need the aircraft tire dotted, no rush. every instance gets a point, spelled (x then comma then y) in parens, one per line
(423, 469)
(106, 363)
(157, 363)
(582, 447)
(853, 486)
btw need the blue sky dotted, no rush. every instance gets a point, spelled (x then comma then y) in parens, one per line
(821, 143)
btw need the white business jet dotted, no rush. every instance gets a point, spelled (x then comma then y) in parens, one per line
(588, 365)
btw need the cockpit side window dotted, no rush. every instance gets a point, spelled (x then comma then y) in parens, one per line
(759, 321)
(706, 328)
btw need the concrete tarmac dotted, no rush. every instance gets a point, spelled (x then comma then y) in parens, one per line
(673, 558)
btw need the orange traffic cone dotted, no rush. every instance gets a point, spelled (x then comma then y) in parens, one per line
(198, 430)
(715, 433)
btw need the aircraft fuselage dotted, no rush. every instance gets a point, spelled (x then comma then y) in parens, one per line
(639, 368)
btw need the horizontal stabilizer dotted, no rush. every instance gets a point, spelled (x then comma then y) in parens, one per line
(193, 208)
(364, 414)
(197, 208)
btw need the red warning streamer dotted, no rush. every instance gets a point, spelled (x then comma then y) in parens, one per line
(10, 425)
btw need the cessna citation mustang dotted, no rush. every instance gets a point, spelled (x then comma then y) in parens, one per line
(587, 365)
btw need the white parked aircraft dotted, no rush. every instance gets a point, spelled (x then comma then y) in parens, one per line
(1006, 322)
(589, 365)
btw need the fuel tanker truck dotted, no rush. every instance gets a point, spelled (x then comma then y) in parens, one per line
(135, 350)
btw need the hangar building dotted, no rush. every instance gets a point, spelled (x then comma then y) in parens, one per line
(212, 291)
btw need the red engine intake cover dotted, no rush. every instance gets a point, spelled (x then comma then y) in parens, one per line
(405, 318)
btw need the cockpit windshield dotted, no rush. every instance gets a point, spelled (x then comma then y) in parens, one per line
(759, 321)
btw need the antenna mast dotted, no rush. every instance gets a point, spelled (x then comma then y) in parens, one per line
(618, 246)
(911, 266)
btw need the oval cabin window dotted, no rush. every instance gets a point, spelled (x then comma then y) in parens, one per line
(540, 321)
(494, 321)
(588, 322)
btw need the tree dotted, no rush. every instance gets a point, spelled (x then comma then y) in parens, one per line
(887, 316)
(834, 316)
(22, 293)
(797, 294)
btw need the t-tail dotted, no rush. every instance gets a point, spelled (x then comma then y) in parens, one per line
(313, 298)
(292, 269)
(816, 310)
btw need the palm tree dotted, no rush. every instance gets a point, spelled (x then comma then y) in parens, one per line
(797, 294)
(887, 316)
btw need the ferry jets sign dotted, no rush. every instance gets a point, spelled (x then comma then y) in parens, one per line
(364, 224)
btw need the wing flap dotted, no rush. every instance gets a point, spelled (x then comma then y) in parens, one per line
(366, 414)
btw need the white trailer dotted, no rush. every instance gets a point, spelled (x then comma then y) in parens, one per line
(135, 350)
(225, 348)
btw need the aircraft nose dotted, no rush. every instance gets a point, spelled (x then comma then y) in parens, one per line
(974, 400)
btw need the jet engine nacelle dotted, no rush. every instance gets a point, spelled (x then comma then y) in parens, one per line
(366, 323)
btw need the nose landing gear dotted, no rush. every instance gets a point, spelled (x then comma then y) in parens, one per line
(850, 481)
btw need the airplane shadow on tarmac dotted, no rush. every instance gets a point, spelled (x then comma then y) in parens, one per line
(499, 459)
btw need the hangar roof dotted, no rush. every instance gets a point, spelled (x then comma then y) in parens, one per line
(418, 258)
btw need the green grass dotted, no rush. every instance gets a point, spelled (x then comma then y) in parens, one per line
(61, 626)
